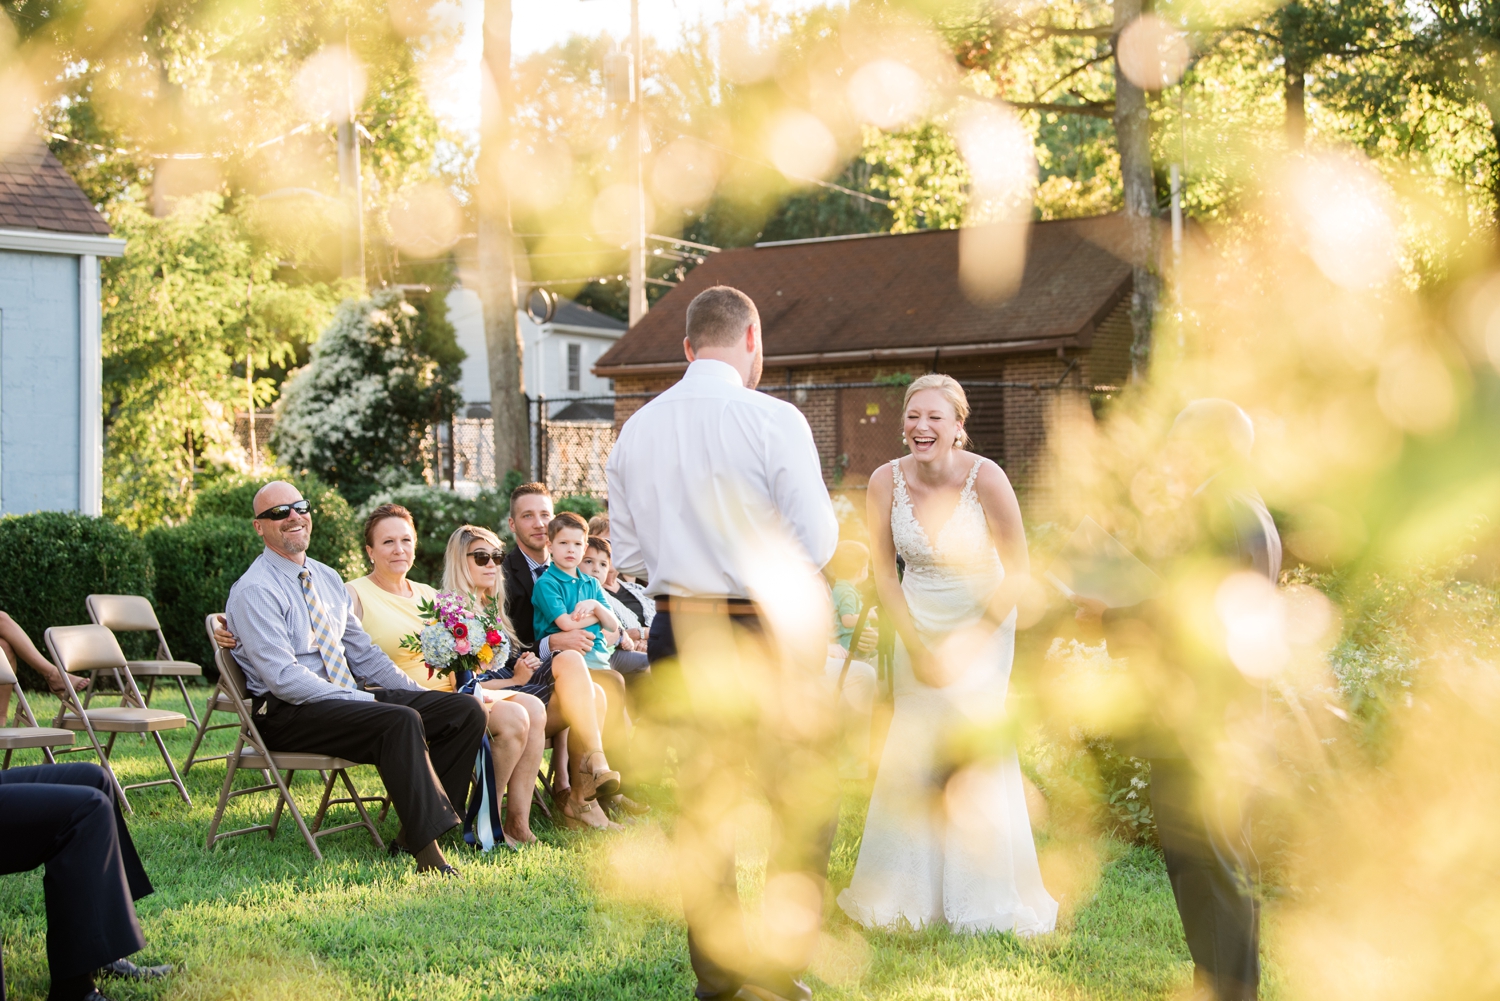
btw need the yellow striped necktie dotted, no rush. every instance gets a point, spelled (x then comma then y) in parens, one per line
(328, 648)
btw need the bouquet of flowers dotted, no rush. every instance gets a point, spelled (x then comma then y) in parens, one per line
(458, 636)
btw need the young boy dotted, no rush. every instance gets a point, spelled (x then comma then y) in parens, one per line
(850, 565)
(628, 648)
(565, 600)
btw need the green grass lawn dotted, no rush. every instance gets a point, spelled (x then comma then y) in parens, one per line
(576, 916)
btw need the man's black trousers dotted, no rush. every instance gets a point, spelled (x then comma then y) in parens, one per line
(66, 818)
(423, 743)
(1211, 867)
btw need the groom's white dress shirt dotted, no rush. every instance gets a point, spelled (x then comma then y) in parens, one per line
(711, 479)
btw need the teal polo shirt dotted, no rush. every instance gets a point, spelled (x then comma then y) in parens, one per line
(558, 593)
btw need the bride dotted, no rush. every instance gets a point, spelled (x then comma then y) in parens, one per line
(939, 847)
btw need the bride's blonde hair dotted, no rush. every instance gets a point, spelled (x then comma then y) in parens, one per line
(952, 392)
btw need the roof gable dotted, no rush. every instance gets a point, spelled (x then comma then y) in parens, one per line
(893, 293)
(37, 193)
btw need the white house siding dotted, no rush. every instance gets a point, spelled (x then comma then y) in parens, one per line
(39, 382)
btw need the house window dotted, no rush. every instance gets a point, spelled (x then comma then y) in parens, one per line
(575, 367)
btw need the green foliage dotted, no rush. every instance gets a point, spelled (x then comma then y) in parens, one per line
(191, 297)
(586, 505)
(196, 564)
(380, 376)
(337, 530)
(51, 561)
(437, 513)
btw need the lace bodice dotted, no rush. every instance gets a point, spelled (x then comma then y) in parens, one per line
(948, 579)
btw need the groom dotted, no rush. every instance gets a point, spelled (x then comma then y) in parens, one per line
(716, 496)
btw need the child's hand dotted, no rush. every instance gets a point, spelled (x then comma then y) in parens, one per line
(581, 612)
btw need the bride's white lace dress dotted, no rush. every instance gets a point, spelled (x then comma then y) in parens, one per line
(963, 855)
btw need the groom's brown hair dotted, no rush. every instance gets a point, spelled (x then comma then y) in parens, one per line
(718, 317)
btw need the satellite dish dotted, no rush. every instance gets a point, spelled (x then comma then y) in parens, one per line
(541, 305)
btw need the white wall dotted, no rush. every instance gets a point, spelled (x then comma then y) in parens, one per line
(545, 361)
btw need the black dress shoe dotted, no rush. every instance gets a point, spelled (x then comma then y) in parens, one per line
(125, 968)
(94, 995)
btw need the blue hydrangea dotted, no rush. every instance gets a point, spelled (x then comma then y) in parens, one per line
(437, 645)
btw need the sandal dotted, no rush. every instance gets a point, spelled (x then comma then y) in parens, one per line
(606, 780)
(590, 817)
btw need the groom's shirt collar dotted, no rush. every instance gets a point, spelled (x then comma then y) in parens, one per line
(712, 368)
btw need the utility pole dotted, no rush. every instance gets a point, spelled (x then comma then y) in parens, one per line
(497, 271)
(349, 178)
(637, 173)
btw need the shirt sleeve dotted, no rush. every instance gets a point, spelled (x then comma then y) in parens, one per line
(795, 477)
(257, 617)
(624, 543)
(846, 601)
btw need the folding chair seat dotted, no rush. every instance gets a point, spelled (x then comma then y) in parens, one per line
(94, 650)
(130, 613)
(15, 738)
(250, 752)
(218, 702)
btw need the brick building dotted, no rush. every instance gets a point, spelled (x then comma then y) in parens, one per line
(847, 319)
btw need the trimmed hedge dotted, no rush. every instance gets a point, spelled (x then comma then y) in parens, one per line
(196, 563)
(51, 561)
(336, 534)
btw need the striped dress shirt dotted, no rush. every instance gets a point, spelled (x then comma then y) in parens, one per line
(268, 613)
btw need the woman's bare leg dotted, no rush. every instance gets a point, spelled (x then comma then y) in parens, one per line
(522, 782)
(574, 705)
(510, 727)
(617, 726)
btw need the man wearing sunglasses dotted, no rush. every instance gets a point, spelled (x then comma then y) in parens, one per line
(320, 686)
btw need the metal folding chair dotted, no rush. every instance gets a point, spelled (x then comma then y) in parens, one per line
(15, 738)
(130, 613)
(94, 649)
(218, 702)
(250, 752)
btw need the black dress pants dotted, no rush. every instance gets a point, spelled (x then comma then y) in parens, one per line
(66, 818)
(1211, 867)
(423, 743)
(732, 711)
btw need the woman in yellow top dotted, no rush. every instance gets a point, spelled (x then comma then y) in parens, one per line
(386, 603)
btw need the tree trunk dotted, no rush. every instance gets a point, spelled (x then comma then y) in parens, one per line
(497, 275)
(1296, 106)
(1133, 137)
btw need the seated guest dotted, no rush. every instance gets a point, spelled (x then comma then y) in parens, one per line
(471, 566)
(66, 817)
(385, 601)
(18, 647)
(561, 683)
(310, 667)
(627, 644)
(386, 604)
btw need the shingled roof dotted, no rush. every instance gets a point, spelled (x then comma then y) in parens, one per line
(890, 296)
(37, 193)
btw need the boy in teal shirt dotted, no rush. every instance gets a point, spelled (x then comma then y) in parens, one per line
(564, 599)
(850, 565)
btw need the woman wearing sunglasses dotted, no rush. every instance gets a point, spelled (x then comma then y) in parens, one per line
(471, 565)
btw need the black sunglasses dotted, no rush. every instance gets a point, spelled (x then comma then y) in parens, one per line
(482, 558)
(281, 512)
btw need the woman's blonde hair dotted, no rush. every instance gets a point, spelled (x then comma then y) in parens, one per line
(456, 575)
(952, 392)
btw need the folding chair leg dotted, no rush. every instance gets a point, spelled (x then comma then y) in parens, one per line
(329, 779)
(286, 799)
(233, 766)
(161, 746)
(150, 687)
(307, 835)
(109, 745)
(364, 816)
(192, 710)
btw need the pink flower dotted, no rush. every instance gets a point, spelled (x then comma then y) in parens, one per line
(461, 647)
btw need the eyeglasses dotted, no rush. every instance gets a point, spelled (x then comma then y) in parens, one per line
(482, 558)
(283, 511)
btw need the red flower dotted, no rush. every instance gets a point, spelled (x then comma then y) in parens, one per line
(460, 631)
(492, 638)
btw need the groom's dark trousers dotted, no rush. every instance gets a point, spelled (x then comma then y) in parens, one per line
(1211, 868)
(66, 817)
(744, 722)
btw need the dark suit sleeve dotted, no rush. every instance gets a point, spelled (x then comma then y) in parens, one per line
(518, 584)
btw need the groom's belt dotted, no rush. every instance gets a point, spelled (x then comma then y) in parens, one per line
(699, 605)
